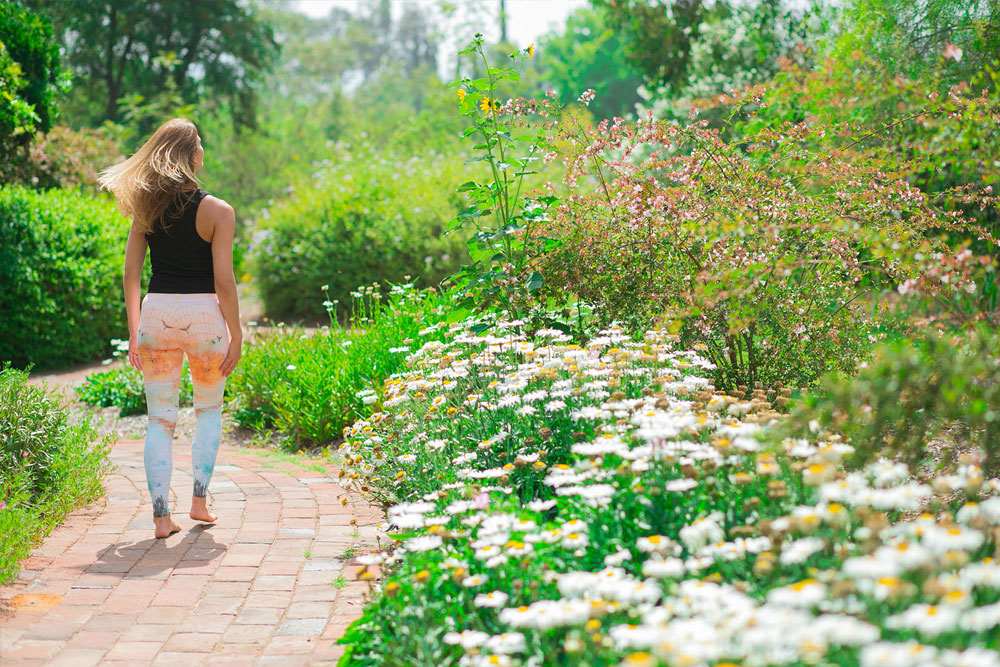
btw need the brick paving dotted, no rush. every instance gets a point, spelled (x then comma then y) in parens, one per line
(102, 590)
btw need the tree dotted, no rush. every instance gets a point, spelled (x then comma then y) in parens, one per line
(30, 77)
(221, 49)
(589, 54)
(659, 33)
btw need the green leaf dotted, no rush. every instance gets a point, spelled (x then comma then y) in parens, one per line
(534, 281)
(457, 314)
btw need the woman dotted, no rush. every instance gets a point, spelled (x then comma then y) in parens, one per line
(189, 308)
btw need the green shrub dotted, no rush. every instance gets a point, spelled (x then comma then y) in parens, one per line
(912, 392)
(49, 466)
(61, 256)
(364, 217)
(123, 387)
(308, 386)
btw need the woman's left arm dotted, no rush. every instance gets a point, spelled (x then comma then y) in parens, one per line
(135, 257)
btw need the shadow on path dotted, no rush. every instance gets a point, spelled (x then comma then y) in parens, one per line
(154, 556)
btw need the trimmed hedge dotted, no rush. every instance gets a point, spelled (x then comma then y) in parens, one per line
(364, 218)
(61, 256)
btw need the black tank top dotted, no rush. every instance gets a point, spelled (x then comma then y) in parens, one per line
(181, 260)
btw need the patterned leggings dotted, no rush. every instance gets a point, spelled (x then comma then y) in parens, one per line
(171, 325)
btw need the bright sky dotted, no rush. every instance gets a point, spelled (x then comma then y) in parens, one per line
(526, 19)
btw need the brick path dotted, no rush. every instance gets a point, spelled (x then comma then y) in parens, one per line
(102, 590)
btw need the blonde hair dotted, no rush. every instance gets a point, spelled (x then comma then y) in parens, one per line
(145, 184)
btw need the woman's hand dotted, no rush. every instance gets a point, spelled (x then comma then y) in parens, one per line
(232, 356)
(133, 352)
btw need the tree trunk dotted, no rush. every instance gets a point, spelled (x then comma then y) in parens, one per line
(503, 20)
(111, 110)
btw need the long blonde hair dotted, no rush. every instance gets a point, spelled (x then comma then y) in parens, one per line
(145, 184)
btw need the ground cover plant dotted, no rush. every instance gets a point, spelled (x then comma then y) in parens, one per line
(604, 504)
(49, 466)
(305, 385)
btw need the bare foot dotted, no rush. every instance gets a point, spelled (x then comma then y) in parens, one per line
(199, 511)
(165, 526)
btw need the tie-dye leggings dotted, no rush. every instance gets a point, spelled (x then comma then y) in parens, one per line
(171, 325)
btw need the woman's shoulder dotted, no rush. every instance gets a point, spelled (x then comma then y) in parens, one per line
(218, 212)
(214, 205)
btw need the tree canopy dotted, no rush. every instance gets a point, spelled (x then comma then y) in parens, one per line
(211, 50)
(588, 54)
(30, 77)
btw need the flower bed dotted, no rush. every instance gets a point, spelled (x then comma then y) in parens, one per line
(603, 505)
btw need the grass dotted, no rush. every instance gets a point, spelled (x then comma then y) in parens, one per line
(298, 459)
(339, 582)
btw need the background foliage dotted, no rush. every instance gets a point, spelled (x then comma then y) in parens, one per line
(364, 217)
(30, 78)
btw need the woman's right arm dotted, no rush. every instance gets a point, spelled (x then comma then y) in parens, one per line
(224, 229)
(135, 257)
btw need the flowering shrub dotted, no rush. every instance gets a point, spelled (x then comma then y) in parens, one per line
(606, 505)
(65, 157)
(775, 256)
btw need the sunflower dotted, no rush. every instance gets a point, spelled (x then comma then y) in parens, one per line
(486, 104)
(461, 94)
(531, 50)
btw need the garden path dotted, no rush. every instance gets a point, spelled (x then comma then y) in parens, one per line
(274, 582)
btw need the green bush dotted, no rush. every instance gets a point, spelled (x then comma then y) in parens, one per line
(48, 466)
(309, 386)
(912, 392)
(123, 387)
(363, 218)
(61, 256)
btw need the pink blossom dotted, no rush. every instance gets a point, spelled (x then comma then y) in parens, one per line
(481, 500)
